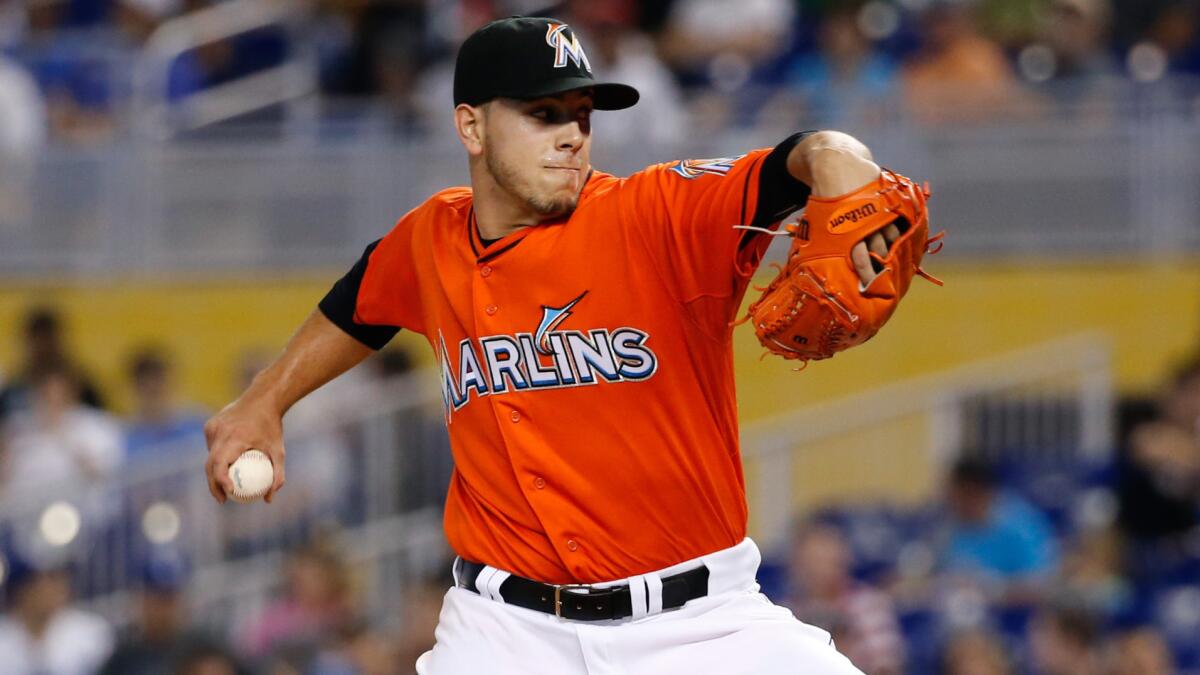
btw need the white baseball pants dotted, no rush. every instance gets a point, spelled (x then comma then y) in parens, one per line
(734, 630)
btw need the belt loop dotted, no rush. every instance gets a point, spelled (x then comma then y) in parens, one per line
(494, 582)
(637, 597)
(481, 582)
(654, 593)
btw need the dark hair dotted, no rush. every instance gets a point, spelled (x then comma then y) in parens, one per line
(974, 471)
(42, 320)
(147, 361)
(1076, 623)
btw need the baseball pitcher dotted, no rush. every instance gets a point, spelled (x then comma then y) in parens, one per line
(582, 323)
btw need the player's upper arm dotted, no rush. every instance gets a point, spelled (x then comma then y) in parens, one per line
(379, 295)
(686, 213)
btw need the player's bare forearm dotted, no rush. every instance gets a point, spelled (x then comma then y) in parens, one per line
(832, 163)
(317, 353)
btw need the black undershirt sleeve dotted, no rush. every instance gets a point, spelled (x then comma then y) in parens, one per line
(340, 302)
(778, 192)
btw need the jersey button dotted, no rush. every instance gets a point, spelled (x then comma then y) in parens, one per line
(571, 545)
(491, 309)
(485, 271)
(539, 483)
(515, 416)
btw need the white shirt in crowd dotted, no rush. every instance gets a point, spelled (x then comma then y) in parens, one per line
(75, 643)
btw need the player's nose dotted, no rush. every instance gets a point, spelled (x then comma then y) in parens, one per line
(571, 136)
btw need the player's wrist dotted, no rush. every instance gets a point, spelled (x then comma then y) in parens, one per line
(837, 172)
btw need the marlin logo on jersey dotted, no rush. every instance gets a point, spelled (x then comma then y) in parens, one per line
(694, 168)
(545, 359)
(565, 45)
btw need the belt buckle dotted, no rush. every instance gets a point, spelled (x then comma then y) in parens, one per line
(558, 589)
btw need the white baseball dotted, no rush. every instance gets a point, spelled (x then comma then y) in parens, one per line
(252, 476)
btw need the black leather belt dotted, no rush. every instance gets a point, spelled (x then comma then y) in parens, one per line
(586, 603)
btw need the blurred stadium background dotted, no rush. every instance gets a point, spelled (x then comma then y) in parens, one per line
(1007, 480)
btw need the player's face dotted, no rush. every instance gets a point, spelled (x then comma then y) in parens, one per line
(539, 151)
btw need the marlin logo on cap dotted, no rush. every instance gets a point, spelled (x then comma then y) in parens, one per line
(565, 45)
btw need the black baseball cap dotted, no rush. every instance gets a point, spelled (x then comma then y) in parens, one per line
(527, 57)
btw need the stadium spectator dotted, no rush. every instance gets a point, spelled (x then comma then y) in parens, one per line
(358, 650)
(377, 49)
(44, 349)
(158, 423)
(860, 618)
(161, 637)
(1140, 651)
(845, 80)
(975, 652)
(22, 115)
(996, 536)
(623, 54)
(958, 75)
(1093, 574)
(1078, 67)
(720, 43)
(1181, 405)
(59, 446)
(41, 633)
(317, 603)
(209, 660)
(1065, 640)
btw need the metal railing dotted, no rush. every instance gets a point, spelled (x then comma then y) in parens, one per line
(157, 116)
(368, 461)
(893, 442)
(315, 195)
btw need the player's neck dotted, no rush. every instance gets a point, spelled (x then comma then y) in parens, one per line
(499, 213)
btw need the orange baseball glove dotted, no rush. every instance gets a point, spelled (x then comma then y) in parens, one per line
(817, 306)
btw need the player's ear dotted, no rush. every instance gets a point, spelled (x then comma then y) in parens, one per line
(468, 122)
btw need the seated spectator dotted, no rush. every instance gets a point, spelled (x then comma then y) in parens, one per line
(1159, 463)
(995, 535)
(59, 446)
(41, 632)
(1181, 406)
(44, 348)
(845, 79)
(1065, 641)
(1141, 651)
(720, 43)
(209, 660)
(958, 75)
(860, 618)
(316, 603)
(1093, 575)
(622, 54)
(160, 637)
(975, 652)
(158, 422)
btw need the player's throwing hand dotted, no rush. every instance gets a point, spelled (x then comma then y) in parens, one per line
(242, 425)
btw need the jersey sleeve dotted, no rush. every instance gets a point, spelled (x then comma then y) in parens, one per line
(379, 295)
(686, 213)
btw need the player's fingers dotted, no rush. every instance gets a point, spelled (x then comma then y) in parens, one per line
(877, 245)
(862, 263)
(214, 485)
(278, 454)
(891, 233)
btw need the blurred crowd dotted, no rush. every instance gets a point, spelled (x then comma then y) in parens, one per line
(69, 68)
(1043, 563)
(1044, 566)
(76, 480)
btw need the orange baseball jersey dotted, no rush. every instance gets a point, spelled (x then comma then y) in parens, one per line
(586, 365)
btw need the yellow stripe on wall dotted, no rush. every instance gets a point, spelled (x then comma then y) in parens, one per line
(1152, 312)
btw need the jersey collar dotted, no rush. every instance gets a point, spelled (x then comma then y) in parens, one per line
(485, 252)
